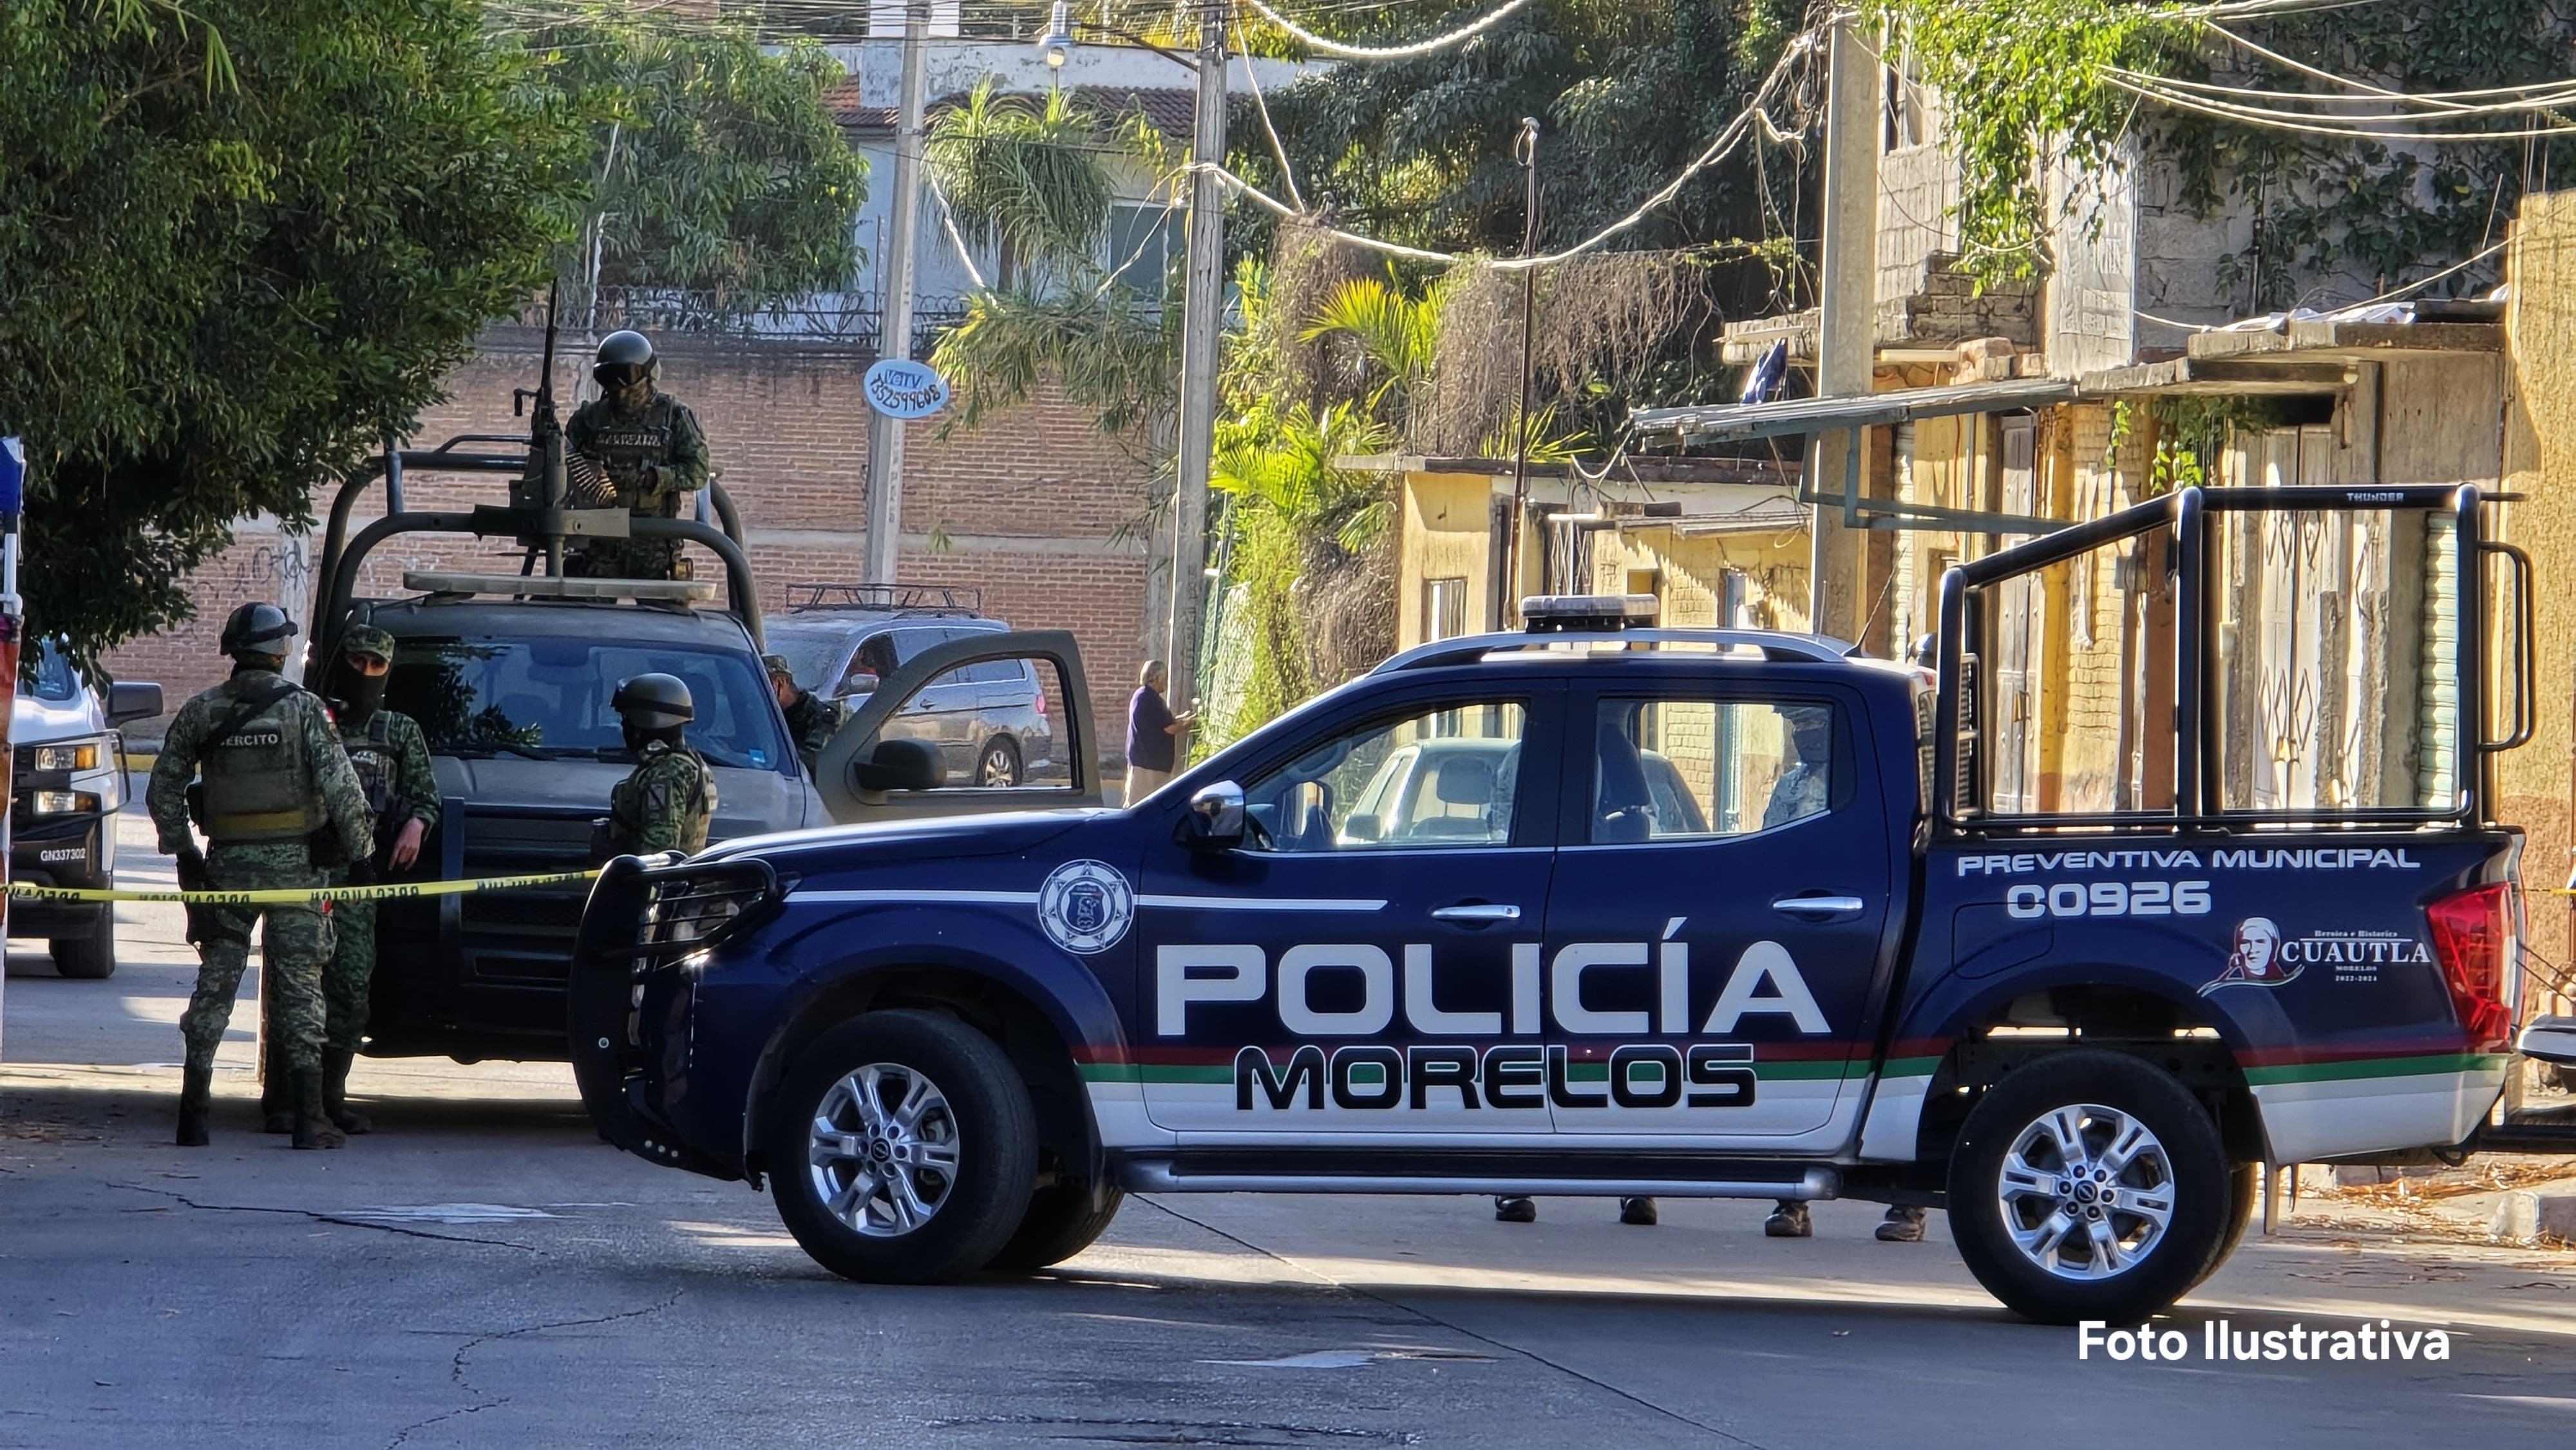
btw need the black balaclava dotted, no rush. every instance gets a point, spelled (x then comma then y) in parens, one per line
(360, 694)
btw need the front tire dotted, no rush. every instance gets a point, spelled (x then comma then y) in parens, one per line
(91, 956)
(2089, 1185)
(902, 1149)
(1063, 1220)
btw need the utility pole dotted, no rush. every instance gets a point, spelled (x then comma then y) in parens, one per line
(1507, 601)
(1202, 317)
(1846, 321)
(894, 315)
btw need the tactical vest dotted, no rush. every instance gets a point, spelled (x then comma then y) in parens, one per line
(371, 755)
(259, 780)
(624, 444)
(625, 812)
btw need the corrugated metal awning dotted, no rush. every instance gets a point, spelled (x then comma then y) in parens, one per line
(1740, 422)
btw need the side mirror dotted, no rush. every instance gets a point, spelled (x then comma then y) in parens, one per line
(1361, 828)
(900, 764)
(853, 686)
(1215, 821)
(140, 700)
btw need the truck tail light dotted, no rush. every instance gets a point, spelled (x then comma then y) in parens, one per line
(1042, 702)
(2473, 934)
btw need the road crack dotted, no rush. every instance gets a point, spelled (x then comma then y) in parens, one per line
(1430, 1318)
(456, 1363)
(319, 1216)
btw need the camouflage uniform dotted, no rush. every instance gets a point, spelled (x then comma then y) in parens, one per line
(392, 761)
(664, 805)
(811, 719)
(656, 456)
(298, 937)
(1805, 791)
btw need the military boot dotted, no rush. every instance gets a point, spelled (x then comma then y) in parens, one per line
(277, 1098)
(196, 1100)
(276, 1091)
(312, 1130)
(335, 1093)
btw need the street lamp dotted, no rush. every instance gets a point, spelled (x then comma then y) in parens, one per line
(1058, 41)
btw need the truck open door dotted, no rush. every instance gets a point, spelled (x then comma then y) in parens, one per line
(878, 767)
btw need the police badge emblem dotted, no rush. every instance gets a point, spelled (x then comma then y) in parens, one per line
(1085, 906)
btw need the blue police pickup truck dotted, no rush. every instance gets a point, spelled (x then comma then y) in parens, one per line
(1605, 908)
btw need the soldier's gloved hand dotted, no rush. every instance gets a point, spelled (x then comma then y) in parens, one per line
(192, 869)
(362, 872)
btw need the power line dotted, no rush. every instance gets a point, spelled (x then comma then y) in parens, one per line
(1418, 48)
(2369, 128)
(1731, 136)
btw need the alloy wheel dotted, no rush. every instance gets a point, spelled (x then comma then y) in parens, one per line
(883, 1150)
(2087, 1191)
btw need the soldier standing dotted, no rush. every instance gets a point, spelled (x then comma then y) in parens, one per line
(666, 803)
(273, 778)
(811, 719)
(392, 760)
(649, 445)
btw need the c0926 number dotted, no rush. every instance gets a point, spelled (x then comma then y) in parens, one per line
(2109, 898)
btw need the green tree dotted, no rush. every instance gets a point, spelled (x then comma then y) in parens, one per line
(238, 243)
(1627, 91)
(714, 167)
(1037, 176)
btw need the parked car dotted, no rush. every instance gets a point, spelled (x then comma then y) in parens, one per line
(1446, 788)
(69, 784)
(989, 720)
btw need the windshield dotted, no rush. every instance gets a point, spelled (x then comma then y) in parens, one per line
(548, 698)
(812, 654)
(54, 679)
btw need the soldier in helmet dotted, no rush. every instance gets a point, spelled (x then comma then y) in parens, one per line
(666, 803)
(272, 777)
(811, 719)
(649, 445)
(392, 760)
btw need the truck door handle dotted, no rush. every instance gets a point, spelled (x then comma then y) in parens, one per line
(1819, 905)
(1477, 914)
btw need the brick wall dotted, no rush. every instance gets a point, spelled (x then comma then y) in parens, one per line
(1036, 508)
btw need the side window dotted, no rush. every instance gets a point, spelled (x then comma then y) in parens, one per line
(873, 662)
(1444, 778)
(1697, 769)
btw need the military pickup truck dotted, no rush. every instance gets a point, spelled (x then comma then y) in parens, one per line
(1450, 929)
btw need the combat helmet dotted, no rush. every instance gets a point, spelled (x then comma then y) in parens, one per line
(257, 628)
(654, 702)
(625, 358)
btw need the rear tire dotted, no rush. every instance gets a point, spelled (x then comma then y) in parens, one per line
(1063, 1220)
(902, 1149)
(2244, 1189)
(89, 957)
(2089, 1185)
(1000, 763)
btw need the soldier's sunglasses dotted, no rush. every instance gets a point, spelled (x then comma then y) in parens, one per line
(621, 375)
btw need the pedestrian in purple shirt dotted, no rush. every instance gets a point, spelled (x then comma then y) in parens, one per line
(1154, 734)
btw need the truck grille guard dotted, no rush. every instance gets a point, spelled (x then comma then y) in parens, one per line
(644, 918)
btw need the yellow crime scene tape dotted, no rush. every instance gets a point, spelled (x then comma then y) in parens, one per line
(398, 891)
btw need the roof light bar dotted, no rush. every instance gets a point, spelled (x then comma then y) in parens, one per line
(1565, 613)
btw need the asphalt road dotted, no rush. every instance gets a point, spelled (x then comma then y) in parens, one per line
(481, 1271)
